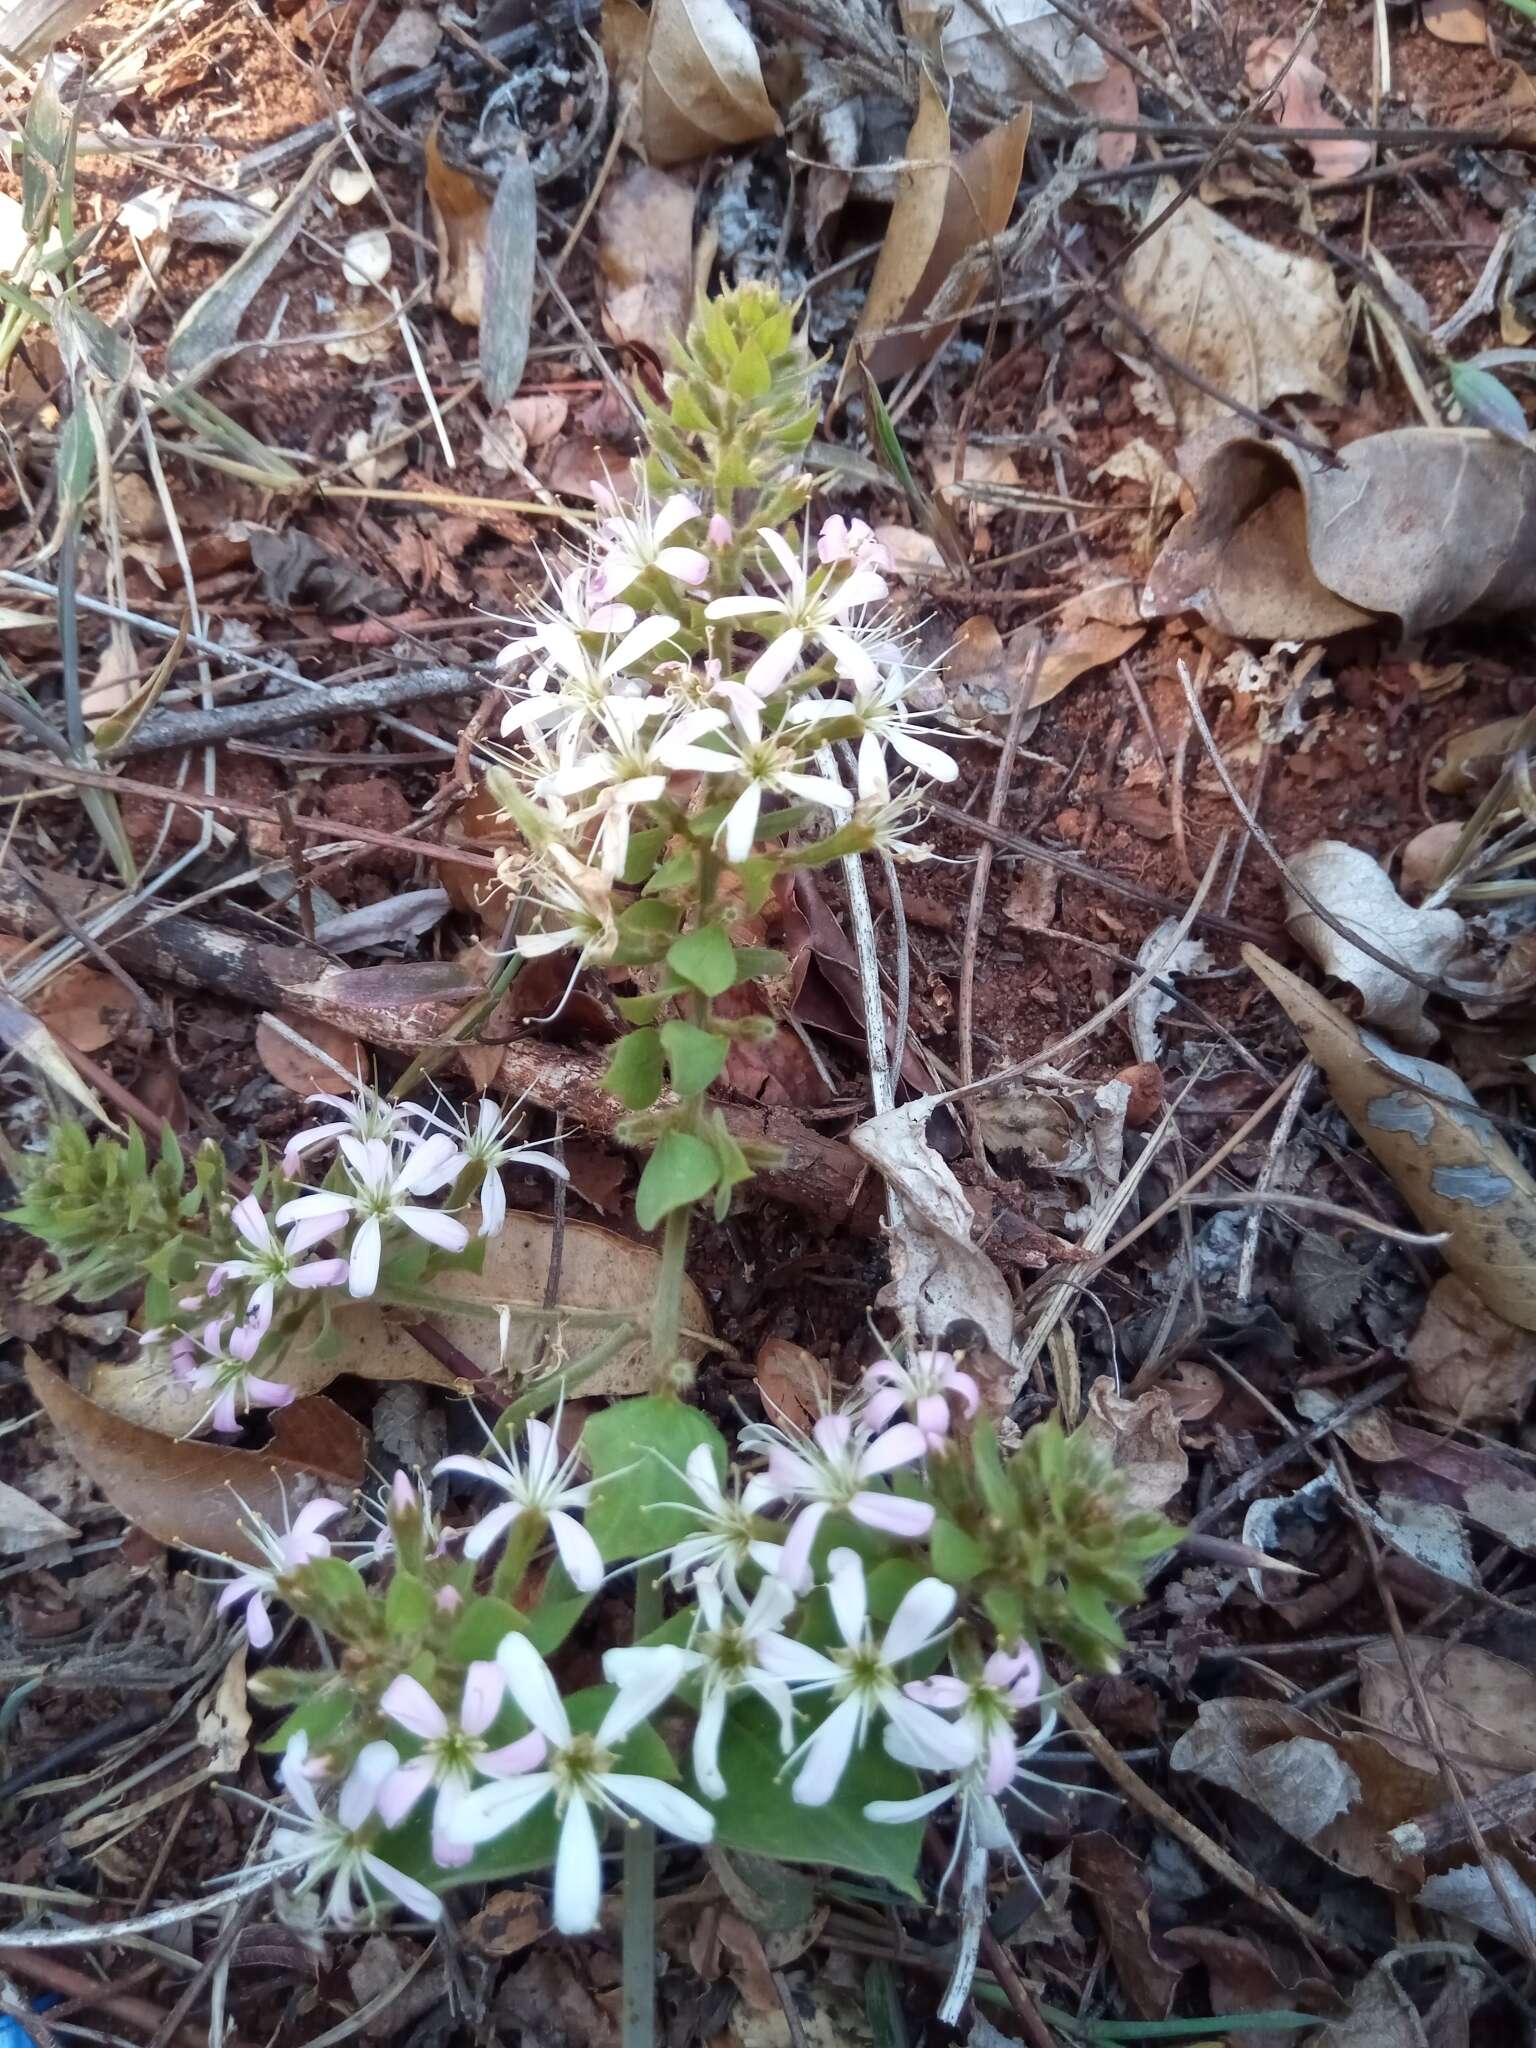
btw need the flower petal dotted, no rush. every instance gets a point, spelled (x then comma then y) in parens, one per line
(401, 1789)
(578, 1872)
(435, 1227)
(490, 1810)
(412, 1895)
(533, 1688)
(407, 1701)
(903, 1445)
(662, 1804)
(826, 1755)
(363, 1259)
(891, 1515)
(484, 1686)
(513, 1758)
(845, 1589)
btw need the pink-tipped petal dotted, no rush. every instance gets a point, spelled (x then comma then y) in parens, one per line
(484, 1687)
(406, 1700)
(891, 1515)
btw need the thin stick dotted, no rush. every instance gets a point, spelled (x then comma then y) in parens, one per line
(1285, 1124)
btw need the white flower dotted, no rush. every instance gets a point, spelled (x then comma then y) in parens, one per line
(583, 680)
(338, 1848)
(879, 712)
(272, 1263)
(805, 609)
(453, 1754)
(852, 540)
(727, 1651)
(1009, 1681)
(579, 609)
(862, 1679)
(727, 1537)
(579, 1771)
(537, 1483)
(922, 1386)
(886, 818)
(384, 1185)
(287, 1550)
(482, 1137)
(637, 538)
(578, 904)
(771, 761)
(363, 1115)
(225, 1373)
(634, 766)
(829, 1471)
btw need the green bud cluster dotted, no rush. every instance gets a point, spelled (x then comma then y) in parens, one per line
(1045, 1539)
(109, 1216)
(740, 412)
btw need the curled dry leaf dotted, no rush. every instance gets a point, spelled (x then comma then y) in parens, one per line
(1424, 525)
(1457, 21)
(945, 206)
(1142, 1436)
(366, 257)
(1474, 758)
(1340, 1794)
(1299, 103)
(1257, 322)
(939, 1276)
(461, 220)
(306, 1073)
(1188, 956)
(1423, 1124)
(1484, 1708)
(1465, 1364)
(25, 1524)
(699, 80)
(1467, 1892)
(1357, 889)
(1018, 50)
(1122, 1902)
(194, 1494)
(793, 1382)
(1092, 630)
(408, 44)
(645, 253)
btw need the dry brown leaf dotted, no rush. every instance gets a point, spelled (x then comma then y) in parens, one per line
(1080, 644)
(645, 253)
(945, 205)
(197, 1495)
(1426, 525)
(598, 1270)
(461, 220)
(1425, 855)
(1465, 1364)
(1484, 1708)
(1340, 1794)
(1447, 1161)
(1357, 889)
(506, 1924)
(1299, 103)
(793, 1382)
(1258, 322)
(1474, 759)
(302, 1072)
(1457, 21)
(701, 84)
(1112, 98)
(1142, 1436)
(1122, 1901)
(408, 44)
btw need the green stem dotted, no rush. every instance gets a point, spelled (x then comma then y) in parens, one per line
(667, 1308)
(639, 1972)
(523, 1539)
(545, 1392)
(490, 1311)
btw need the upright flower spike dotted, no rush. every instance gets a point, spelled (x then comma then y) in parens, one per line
(579, 1773)
(286, 1551)
(338, 1849)
(864, 1681)
(729, 1650)
(829, 1471)
(453, 1754)
(537, 1482)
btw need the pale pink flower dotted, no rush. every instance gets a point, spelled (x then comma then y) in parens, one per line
(829, 1471)
(225, 1373)
(453, 1753)
(806, 608)
(539, 1482)
(363, 1115)
(721, 532)
(638, 538)
(853, 540)
(272, 1263)
(1009, 1682)
(338, 1848)
(287, 1550)
(878, 710)
(484, 1136)
(924, 1385)
(862, 1680)
(385, 1188)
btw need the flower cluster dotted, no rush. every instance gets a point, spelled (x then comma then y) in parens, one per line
(774, 1612)
(398, 1179)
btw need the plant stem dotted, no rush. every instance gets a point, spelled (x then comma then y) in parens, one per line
(639, 1969)
(567, 1379)
(667, 1308)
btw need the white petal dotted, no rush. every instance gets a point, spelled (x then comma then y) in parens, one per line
(363, 1259)
(897, 1810)
(581, 1557)
(407, 1701)
(925, 1610)
(376, 1761)
(484, 1686)
(800, 1663)
(741, 823)
(815, 789)
(490, 1810)
(638, 1700)
(530, 1684)
(845, 1589)
(784, 555)
(942, 1745)
(639, 642)
(662, 1804)
(410, 1894)
(942, 767)
(578, 1873)
(706, 1743)
(435, 1227)
(826, 1755)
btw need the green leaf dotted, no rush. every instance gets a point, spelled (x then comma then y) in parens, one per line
(758, 963)
(319, 1718)
(694, 1057)
(680, 871)
(407, 1605)
(759, 1815)
(640, 1009)
(635, 1450)
(634, 1069)
(1483, 398)
(642, 853)
(750, 376)
(681, 1170)
(705, 959)
(649, 920)
(956, 1558)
